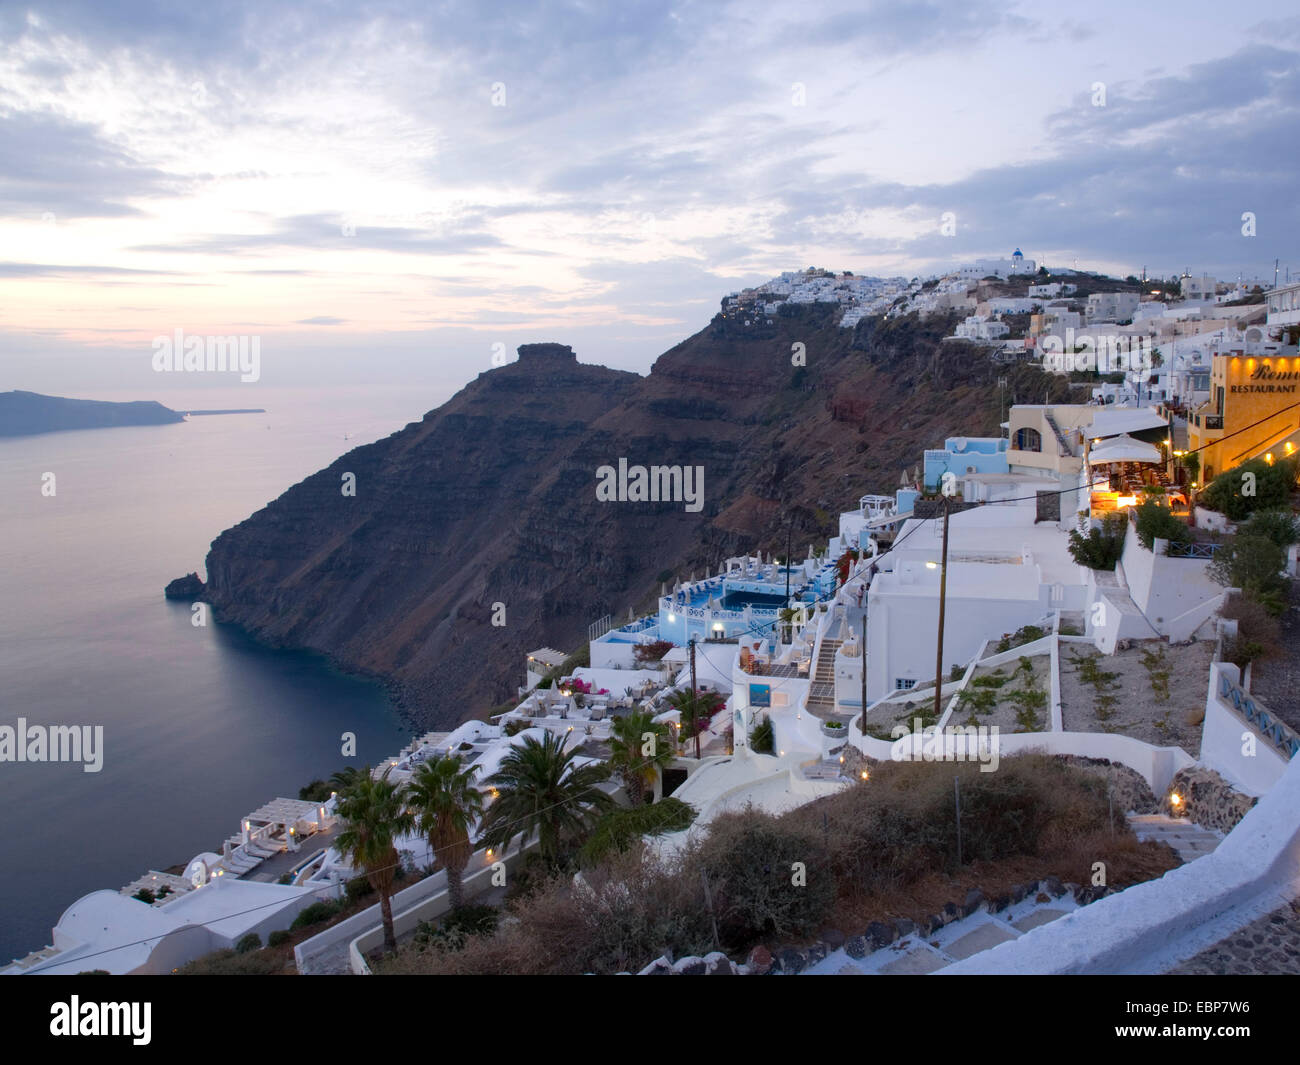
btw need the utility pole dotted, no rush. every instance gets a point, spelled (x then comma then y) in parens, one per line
(788, 527)
(862, 652)
(943, 591)
(695, 706)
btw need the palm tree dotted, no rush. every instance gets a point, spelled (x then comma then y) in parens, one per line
(629, 757)
(542, 791)
(444, 800)
(345, 778)
(374, 816)
(696, 708)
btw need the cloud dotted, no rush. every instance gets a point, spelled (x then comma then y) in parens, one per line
(324, 319)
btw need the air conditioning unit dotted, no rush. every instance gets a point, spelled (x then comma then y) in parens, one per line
(971, 469)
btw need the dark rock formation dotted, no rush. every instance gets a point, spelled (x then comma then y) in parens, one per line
(187, 587)
(490, 499)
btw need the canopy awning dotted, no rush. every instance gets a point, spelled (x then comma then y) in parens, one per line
(1124, 420)
(1123, 449)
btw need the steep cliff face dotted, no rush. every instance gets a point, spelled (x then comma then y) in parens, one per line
(491, 498)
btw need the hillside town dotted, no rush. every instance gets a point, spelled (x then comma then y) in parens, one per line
(1106, 584)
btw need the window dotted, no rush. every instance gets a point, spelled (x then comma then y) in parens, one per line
(903, 684)
(1028, 440)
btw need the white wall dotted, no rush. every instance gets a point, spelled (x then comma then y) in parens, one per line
(1165, 588)
(902, 630)
(1226, 737)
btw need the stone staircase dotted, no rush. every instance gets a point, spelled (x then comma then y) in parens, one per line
(821, 692)
(1060, 436)
(826, 769)
(1189, 841)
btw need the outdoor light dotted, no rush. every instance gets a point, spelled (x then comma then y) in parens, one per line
(1269, 458)
(864, 772)
(672, 617)
(932, 565)
(783, 754)
(489, 852)
(1175, 799)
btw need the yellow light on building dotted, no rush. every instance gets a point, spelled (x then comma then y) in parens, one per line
(1175, 799)
(1269, 458)
(865, 775)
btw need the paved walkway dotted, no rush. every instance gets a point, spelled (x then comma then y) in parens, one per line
(1267, 947)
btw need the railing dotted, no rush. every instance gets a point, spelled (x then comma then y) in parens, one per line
(1264, 722)
(1179, 550)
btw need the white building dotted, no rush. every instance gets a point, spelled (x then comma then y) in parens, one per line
(1112, 306)
(1284, 305)
(1199, 288)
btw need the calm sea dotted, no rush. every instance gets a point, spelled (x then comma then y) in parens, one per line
(200, 725)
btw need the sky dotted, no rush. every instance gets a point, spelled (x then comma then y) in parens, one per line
(391, 193)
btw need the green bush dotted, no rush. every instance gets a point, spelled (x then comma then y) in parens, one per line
(616, 830)
(359, 887)
(1273, 483)
(1028, 634)
(1155, 522)
(766, 877)
(315, 914)
(317, 791)
(1280, 526)
(1101, 548)
(1254, 564)
(455, 929)
(144, 895)
(251, 941)
(279, 937)
(762, 737)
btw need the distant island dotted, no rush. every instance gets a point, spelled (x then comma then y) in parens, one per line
(28, 413)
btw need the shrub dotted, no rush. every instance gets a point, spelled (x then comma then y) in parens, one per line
(317, 791)
(144, 895)
(1259, 633)
(455, 930)
(285, 878)
(1101, 548)
(1155, 522)
(1273, 485)
(767, 877)
(762, 737)
(360, 886)
(315, 914)
(648, 653)
(617, 830)
(1254, 564)
(279, 937)
(245, 943)
(1280, 526)
(1028, 634)
(515, 726)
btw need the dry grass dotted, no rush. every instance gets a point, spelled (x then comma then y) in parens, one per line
(886, 848)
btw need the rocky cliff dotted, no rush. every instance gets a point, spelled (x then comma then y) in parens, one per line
(397, 570)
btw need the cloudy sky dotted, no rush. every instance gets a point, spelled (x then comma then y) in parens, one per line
(383, 191)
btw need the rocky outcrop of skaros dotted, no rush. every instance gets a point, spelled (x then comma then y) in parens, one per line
(491, 499)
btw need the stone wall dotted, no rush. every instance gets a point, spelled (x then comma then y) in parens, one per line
(1208, 799)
